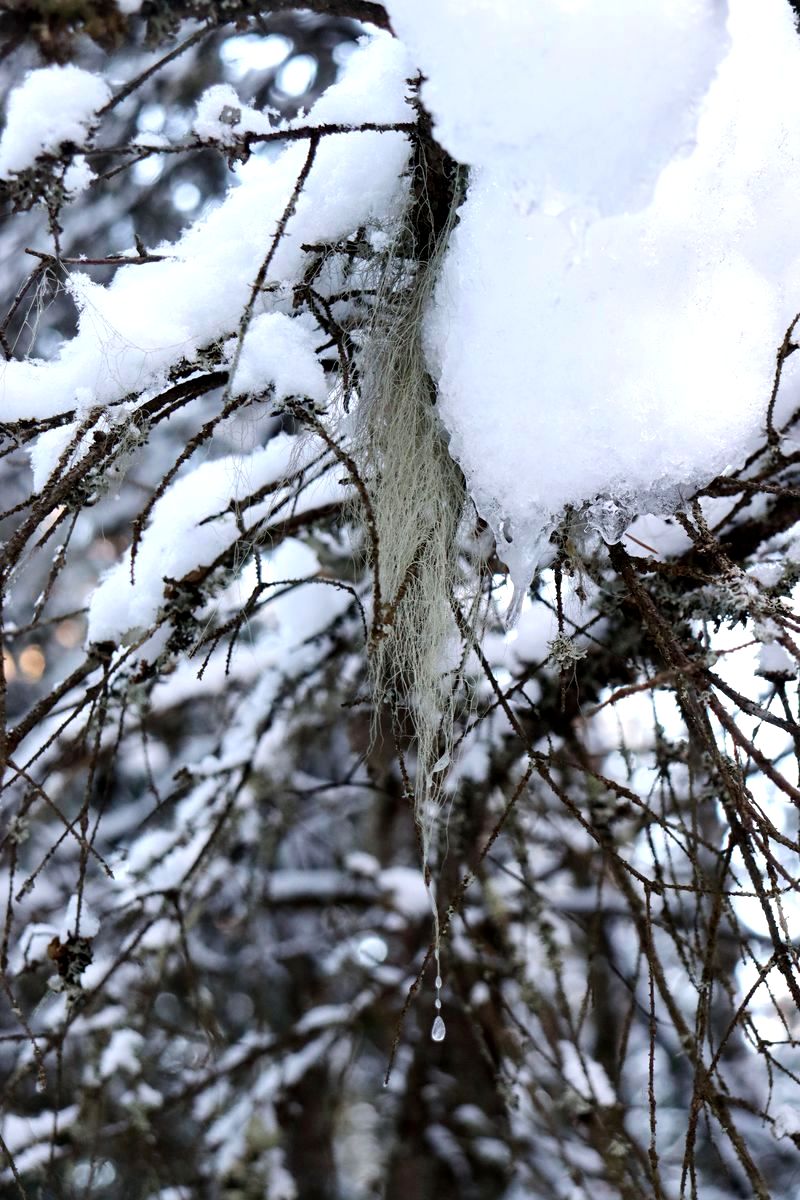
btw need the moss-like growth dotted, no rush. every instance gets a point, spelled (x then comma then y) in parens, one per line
(419, 506)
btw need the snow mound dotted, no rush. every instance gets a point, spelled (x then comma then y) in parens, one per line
(566, 97)
(52, 106)
(595, 347)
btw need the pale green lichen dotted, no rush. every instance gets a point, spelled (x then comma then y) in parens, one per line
(419, 506)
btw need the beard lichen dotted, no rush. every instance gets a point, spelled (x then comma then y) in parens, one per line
(419, 515)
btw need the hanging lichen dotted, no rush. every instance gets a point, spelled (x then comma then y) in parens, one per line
(416, 491)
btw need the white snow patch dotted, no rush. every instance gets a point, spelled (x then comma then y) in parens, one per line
(774, 660)
(407, 891)
(586, 1076)
(627, 307)
(122, 1053)
(22, 1132)
(787, 1121)
(571, 101)
(361, 863)
(78, 176)
(222, 117)
(52, 106)
(177, 540)
(89, 921)
(46, 451)
(768, 574)
(279, 352)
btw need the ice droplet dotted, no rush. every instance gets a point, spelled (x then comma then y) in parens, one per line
(438, 1031)
(437, 983)
(609, 517)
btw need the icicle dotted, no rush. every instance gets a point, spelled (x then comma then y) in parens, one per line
(438, 1031)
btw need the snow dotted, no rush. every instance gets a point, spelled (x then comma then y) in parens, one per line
(406, 888)
(307, 611)
(78, 176)
(586, 1075)
(287, 886)
(767, 574)
(144, 1097)
(19, 1133)
(177, 541)
(574, 102)
(89, 922)
(52, 106)
(618, 160)
(628, 318)
(537, 627)
(222, 117)
(122, 1053)
(150, 317)
(278, 351)
(787, 1122)
(361, 863)
(47, 449)
(774, 661)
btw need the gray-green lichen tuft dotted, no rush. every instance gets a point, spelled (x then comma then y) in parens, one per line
(418, 508)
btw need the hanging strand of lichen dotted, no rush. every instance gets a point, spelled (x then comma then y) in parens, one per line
(418, 501)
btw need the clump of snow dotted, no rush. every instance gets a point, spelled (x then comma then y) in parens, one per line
(776, 662)
(28, 1139)
(787, 1121)
(78, 176)
(586, 1075)
(279, 352)
(595, 349)
(573, 102)
(407, 891)
(122, 1053)
(89, 925)
(48, 450)
(768, 574)
(53, 106)
(222, 117)
(151, 140)
(361, 863)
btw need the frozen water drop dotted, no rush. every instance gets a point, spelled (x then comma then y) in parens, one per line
(438, 1031)
(437, 1003)
(437, 981)
(609, 517)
